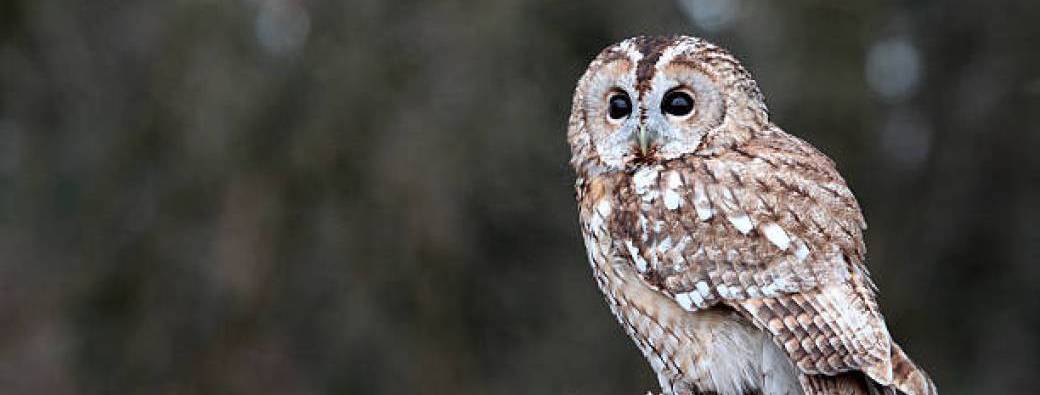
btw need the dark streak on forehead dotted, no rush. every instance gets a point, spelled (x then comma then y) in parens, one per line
(651, 48)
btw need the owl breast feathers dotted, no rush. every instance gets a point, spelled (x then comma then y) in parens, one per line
(730, 251)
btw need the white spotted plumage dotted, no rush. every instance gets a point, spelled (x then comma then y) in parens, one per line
(776, 235)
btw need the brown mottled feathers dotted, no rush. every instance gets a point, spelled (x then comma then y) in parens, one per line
(720, 242)
(907, 377)
(842, 384)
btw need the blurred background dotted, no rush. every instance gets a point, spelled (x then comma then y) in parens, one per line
(370, 197)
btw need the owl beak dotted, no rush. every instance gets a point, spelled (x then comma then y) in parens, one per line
(644, 140)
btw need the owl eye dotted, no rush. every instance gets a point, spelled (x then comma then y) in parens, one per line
(620, 106)
(677, 103)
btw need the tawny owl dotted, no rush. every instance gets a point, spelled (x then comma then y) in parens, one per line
(730, 251)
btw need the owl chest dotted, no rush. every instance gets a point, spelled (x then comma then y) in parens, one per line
(645, 314)
(645, 219)
(653, 223)
(637, 235)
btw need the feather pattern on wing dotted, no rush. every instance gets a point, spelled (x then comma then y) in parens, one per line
(770, 230)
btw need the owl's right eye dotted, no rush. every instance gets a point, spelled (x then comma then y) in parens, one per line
(620, 106)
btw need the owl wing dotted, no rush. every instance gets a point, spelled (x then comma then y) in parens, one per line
(772, 231)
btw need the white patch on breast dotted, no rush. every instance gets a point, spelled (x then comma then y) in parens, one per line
(776, 235)
(673, 180)
(802, 251)
(644, 182)
(672, 200)
(742, 222)
(636, 257)
(701, 202)
(672, 183)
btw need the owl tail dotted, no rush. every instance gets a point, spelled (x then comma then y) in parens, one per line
(907, 377)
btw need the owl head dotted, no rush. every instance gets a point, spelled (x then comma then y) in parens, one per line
(652, 99)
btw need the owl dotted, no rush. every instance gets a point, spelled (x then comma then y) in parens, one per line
(730, 251)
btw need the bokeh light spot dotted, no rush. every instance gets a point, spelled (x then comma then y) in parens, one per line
(893, 68)
(282, 26)
(711, 15)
